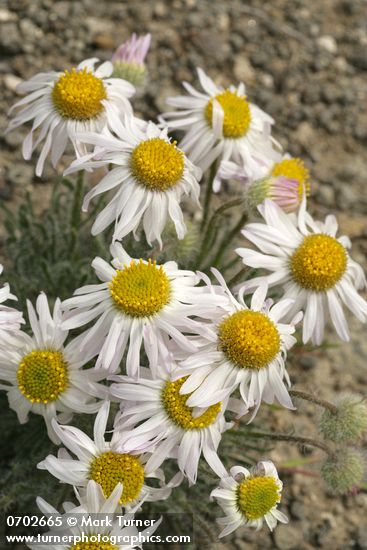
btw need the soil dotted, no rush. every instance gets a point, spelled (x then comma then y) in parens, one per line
(303, 62)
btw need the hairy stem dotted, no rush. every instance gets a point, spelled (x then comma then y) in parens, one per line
(237, 277)
(206, 242)
(78, 199)
(208, 194)
(295, 439)
(228, 238)
(309, 397)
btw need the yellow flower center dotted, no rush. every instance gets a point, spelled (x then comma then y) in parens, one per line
(256, 496)
(249, 339)
(157, 164)
(295, 169)
(237, 114)
(78, 95)
(42, 375)
(109, 469)
(92, 544)
(318, 263)
(140, 289)
(180, 413)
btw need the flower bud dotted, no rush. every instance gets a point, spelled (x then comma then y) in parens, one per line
(286, 192)
(182, 249)
(348, 423)
(343, 471)
(128, 59)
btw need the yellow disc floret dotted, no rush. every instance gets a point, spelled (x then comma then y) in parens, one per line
(42, 375)
(157, 164)
(256, 496)
(318, 263)
(237, 114)
(92, 542)
(293, 168)
(180, 413)
(78, 95)
(110, 468)
(140, 289)
(249, 339)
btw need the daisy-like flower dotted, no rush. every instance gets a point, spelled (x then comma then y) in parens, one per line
(100, 461)
(111, 534)
(311, 263)
(129, 59)
(248, 497)
(247, 352)
(222, 124)
(150, 176)
(167, 425)
(10, 318)
(45, 377)
(63, 104)
(138, 301)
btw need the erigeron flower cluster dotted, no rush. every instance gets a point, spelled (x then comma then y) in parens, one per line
(183, 354)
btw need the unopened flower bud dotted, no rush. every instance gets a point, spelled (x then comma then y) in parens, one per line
(128, 59)
(286, 192)
(182, 249)
(348, 423)
(343, 471)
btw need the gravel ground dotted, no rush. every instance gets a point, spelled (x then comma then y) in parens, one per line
(305, 63)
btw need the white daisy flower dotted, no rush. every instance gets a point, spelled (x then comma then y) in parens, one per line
(150, 176)
(311, 263)
(63, 104)
(248, 352)
(100, 461)
(248, 497)
(167, 425)
(139, 302)
(109, 535)
(221, 124)
(45, 377)
(10, 318)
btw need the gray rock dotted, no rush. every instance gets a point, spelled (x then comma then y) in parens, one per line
(359, 59)
(307, 361)
(11, 82)
(362, 537)
(288, 537)
(328, 43)
(347, 196)
(298, 510)
(10, 41)
(243, 70)
(326, 195)
(6, 15)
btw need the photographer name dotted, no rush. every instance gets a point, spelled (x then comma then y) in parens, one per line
(110, 521)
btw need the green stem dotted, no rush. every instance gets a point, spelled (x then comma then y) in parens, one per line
(208, 194)
(308, 397)
(295, 439)
(220, 211)
(78, 200)
(237, 277)
(211, 228)
(230, 264)
(228, 238)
